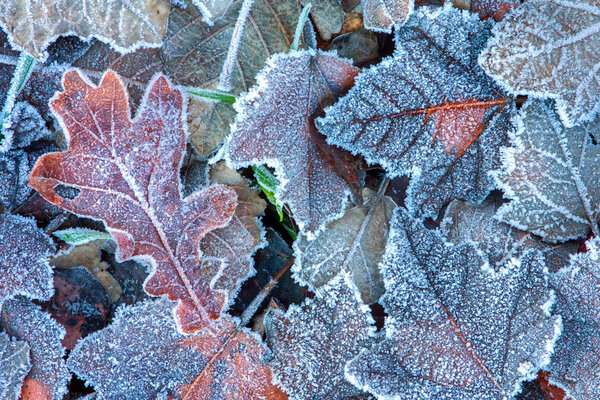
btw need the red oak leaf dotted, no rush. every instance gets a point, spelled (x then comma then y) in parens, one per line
(125, 173)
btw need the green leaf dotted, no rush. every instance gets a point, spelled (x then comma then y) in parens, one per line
(79, 236)
(211, 95)
(268, 183)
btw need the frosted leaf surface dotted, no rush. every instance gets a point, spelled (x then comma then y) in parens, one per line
(275, 126)
(126, 25)
(496, 9)
(328, 16)
(14, 366)
(125, 173)
(429, 112)
(496, 241)
(354, 244)
(26, 322)
(212, 9)
(381, 15)
(24, 254)
(142, 355)
(26, 125)
(455, 330)
(550, 49)
(312, 343)
(194, 53)
(575, 364)
(551, 176)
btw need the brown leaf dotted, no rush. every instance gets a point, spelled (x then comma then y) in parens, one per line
(126, 173)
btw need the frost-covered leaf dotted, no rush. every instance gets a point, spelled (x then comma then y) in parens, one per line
(575, 364)
(141, 355)
(354, 243)
(430, 111)
(275, 126)
(126, 25)
(79, 236)
(24, 253)
(25, 125)
(312, 343)
(14, 366)
(381, 15)
(549, 49)
(48, 377)
(126, 173)
(456, 330)
(496, 241)
(328, 16)
(496, 9)
(212, 9)
(194, 54)
(551, 175)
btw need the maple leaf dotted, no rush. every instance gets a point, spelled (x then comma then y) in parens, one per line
(275, 126)
(548, 49)
(24, 256)
(354, 243)
(575, 364)
(429, 111)
(33, 24)
(496, 241)
(48, 377)
(550, 175)
(14, 366)
(126, 174)
(456, 329)
(381, 15)
(313, 343)
(142, 355)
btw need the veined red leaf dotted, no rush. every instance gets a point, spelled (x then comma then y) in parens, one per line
(125, 173)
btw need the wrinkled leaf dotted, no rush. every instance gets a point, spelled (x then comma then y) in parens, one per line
(275, 126)
(456, 330)
(353, 244)
(14, 366)
(429, 112)
(115, 164)
(551, 176)
(313, 343)
(575, 364)
(381, 15)
(549, 49)
(48, 377)
(141, 355)
(24, 253)
(34, 24)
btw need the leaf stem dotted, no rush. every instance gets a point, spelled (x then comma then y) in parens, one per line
(211, 94)
(234, 46)
(300, 27)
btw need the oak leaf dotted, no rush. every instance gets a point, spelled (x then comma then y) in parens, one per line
(33, 24)
(456, 330)
(126, 173)
(430, 111)
(142, 355)
(548, 49)
(275, 126)
(551, 176)
(15, 363)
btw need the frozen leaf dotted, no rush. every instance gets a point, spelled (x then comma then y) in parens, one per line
(313, 343)
(575, 364)
(79, 236)
(456, 330)
(126, 173)
(14, 366)
(496, 241)
(237, 242)
(194, 54)
(551, 176)
(429, 112)
(275, 126)
(354, 244)
(548, 49)
(48, 377)
(381, 15)
(24, 254)
(496, 9)
(212, 9)
(25, 125)
(141, 355)
(328, 16)
(126, 25)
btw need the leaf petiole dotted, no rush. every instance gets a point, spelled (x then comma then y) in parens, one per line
(300, 27)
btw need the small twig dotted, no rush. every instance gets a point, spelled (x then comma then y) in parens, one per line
(56, 223)
(234, 46)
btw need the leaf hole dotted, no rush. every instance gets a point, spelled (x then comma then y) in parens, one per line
(67, 192)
